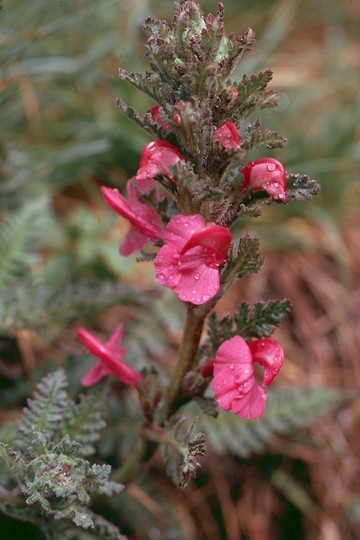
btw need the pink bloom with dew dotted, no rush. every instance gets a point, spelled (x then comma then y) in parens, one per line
(110, 355)
(145, 221)
(228, 137)
(188, 263)
(157, 157)
(234, 383)
(265, 174)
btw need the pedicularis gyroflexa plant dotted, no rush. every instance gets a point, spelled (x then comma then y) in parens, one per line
(193, 183)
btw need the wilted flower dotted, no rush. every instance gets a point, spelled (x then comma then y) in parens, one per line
(157, 157)
(145, 221)
(111, 355)
(265, 174)
(189, 261)
(228, 137)
(234, 383)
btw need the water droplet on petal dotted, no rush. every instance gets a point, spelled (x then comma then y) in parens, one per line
(160, 277)
(271, 167)
(194, 291)
(186, 224)
(237, 379)
(231, 366)
(197, 276)
(206, 297)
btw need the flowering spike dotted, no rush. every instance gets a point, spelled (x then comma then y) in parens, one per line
(145, 221)
(228, 137)
(157, 157)
(189, 261)
(234, 383)
(111, 356)
(265, 174)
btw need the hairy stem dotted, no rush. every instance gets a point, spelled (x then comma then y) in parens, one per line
(195, 318)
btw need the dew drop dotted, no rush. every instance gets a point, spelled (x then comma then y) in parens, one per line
(161, 277)
(206, 297)
(186, 224)
(246, 371)
(271, 167)
(194, 291)
(197, 276)
(275, 184)
(237, 379)
(231, 366)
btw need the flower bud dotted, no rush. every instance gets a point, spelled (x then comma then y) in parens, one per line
(265, 174)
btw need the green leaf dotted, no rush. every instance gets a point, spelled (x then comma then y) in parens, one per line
(245, 257)
(83, 421)
(45, 411)
(299, 187)
(19, 237)
(180, 450)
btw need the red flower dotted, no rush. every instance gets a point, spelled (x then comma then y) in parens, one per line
(265, 174)
(189, 261)
(156, 158)
(234, 383)
(145, 221)
(228, 136)
(111, 356)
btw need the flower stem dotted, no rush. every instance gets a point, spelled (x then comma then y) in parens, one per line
(195, 318)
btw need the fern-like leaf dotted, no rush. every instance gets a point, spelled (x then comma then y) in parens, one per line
(245, 257)
(12, 460)
(299, 187)
(19, 236)
(45, 411)
(84, 421)
(180, 450)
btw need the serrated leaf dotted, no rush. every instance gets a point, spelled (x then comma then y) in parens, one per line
(19, 237)
(245, 258)
(45, 410)
(180, 450)
(299, 187)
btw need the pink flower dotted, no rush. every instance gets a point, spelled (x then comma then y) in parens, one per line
(228, 137)
(189, 261)
(111, 356)
(156, 158)
(265, 174)
(234, 383)
(145, 221)
(156, 117)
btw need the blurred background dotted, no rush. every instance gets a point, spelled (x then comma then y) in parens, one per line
(62, 136)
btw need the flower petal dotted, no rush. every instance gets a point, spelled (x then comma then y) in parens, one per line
(251, 405)
(269, 353)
